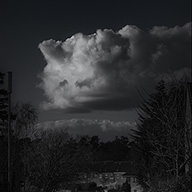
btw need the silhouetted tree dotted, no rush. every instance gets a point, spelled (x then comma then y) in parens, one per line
(53, 161)
(23, 126)
(115, 150)
(161, 135)
(25, 119)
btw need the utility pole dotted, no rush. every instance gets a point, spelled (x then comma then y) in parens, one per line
(9, 91)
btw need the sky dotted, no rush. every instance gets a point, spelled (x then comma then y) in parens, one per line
(80, 63)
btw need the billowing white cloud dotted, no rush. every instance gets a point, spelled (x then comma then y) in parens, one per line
(105, 129)
(100, 71)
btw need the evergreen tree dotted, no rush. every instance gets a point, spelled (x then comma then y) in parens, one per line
(161, 135)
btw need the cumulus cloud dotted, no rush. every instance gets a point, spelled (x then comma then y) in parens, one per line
(105, 129)
(101, 70)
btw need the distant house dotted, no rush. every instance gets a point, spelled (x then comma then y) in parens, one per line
(112, 175)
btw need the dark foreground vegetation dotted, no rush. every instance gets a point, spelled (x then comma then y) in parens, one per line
(164, 137)
(50, 160)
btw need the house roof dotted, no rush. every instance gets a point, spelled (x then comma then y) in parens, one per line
(124, 166)
(110, 167)
(98, 166)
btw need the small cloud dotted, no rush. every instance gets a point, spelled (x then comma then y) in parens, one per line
(63, 83)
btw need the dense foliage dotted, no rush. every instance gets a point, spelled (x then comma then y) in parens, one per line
(119, 149)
